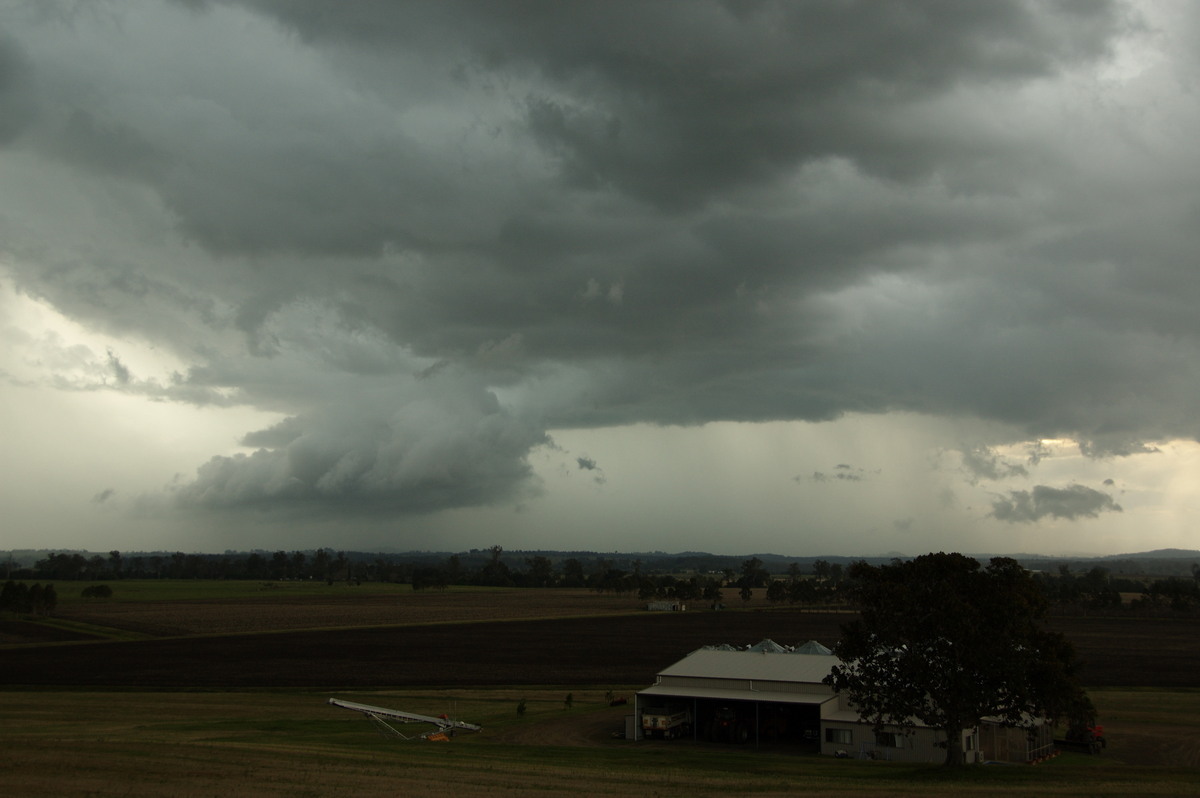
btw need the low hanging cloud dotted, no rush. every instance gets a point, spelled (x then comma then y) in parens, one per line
(426, 454)
(1072, 503)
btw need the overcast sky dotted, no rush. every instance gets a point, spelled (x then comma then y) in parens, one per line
(806, 278)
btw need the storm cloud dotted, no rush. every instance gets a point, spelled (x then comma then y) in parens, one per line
(424, 236)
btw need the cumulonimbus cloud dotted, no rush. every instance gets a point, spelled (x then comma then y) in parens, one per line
(760, 212)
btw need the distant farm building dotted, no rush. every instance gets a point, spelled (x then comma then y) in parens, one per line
(665, 606)
(768, 693)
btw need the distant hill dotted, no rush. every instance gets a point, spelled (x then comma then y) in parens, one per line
(1157, 554)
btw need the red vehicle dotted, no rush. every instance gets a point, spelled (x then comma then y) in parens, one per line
(727, 727)
(1089, 738)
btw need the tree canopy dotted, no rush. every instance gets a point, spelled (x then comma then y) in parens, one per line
(942, 642)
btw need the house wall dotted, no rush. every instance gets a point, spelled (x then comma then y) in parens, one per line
(922, 745)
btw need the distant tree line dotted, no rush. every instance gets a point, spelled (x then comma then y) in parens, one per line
(1097, 589)
(819, 582)
(322, 564)
(576, 569)
(36, 599)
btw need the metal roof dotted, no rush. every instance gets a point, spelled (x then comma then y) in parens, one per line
(713, 664)
(729, 694)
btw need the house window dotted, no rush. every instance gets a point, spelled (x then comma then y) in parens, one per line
(889, 740)
(839, 736)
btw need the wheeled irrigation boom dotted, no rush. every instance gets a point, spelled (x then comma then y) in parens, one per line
(444, 727)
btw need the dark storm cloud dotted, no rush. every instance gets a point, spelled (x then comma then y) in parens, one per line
(16, 96)
(425, 233)
(673, 102)
(1071, 503)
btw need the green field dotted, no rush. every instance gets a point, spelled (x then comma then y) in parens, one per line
(132, 743)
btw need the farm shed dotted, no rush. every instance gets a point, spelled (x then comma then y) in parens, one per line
(768, 695)
(744, 696)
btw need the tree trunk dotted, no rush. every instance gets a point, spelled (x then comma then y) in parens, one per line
(954, 749)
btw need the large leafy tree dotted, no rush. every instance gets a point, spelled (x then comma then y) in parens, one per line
(944, 642)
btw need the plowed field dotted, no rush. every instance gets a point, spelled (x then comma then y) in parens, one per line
(343, 608)
(492, 642)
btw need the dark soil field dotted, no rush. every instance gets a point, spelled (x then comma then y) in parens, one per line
(605, 650)
(279, 610)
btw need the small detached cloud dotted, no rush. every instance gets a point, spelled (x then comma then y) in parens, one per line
(1072, 502)
(588, 464)
(841, 471)
(982, 462)
(103, 496)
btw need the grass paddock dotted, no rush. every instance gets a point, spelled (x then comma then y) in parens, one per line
(230, 744)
